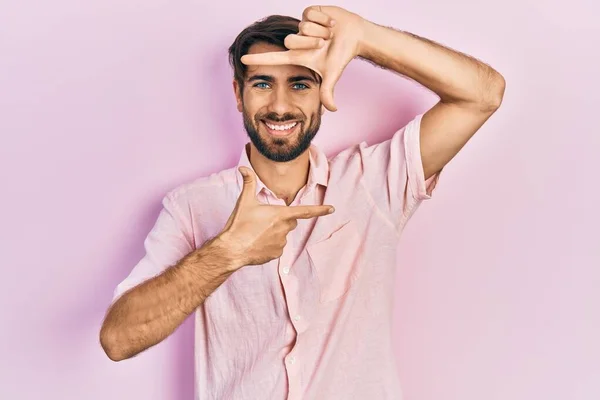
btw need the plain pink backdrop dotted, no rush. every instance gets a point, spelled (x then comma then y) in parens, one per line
(107, 105)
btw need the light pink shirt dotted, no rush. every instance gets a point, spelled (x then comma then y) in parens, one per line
(315, 323)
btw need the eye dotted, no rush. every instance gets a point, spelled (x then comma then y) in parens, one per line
(264, 85)
(300, 86)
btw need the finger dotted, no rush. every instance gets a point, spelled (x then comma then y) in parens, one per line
(312, 29)
(248, 194)
(293, 224)
(326, 92)
(338, 62)
(297, 42)
(271, 58)
(290, 225)
(305, 212)
(314, 14)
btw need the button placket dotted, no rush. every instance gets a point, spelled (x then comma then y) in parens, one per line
(294, 390)
(290, 285)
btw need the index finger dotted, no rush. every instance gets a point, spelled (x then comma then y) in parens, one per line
(270, 58)
(306, 212)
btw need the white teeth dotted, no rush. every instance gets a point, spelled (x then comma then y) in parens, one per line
(281, 127)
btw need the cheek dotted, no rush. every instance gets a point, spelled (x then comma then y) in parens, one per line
(248, 110)
(253, 105)
(312, 102)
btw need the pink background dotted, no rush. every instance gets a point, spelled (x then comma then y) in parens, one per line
(107, 105)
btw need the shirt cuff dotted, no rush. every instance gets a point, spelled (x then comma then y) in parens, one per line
(420, 188)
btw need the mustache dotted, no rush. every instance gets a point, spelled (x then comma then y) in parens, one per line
(280, 118)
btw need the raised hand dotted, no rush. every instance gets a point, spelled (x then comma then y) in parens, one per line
(328, 39)
(255, 233)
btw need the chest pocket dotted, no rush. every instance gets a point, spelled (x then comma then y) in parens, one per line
(336, 261)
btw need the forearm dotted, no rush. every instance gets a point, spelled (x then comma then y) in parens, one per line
(150, 312)
(455, 77)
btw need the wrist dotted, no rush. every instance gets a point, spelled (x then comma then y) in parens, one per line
(221, 245)
(213, 259)
(367, 39)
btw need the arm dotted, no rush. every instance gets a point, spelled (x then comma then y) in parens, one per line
(151, 311)
(254, 234)
(469, 90)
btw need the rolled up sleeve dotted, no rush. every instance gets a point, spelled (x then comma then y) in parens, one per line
(393, 173)
(168, 242)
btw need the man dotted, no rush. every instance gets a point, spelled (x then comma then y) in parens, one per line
(294, 300)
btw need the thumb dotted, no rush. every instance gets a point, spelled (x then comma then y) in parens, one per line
(248, 193)
(326, 92)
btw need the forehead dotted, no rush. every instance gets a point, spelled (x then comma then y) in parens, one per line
(277, 71)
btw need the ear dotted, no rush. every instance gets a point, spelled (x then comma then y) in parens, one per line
(238, 95)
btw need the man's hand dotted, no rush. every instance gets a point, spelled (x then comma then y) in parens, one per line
(256, 233)
(328, 40)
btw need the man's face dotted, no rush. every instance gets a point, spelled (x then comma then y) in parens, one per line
(281, 107)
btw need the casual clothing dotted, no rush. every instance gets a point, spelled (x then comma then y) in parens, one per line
(315, 323)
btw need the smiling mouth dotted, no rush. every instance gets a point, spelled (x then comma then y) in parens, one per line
(281, 129)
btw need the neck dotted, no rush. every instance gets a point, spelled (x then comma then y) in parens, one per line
(284, 179)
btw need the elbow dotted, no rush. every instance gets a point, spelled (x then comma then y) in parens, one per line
(493, 92)
(111, 346)
(486, 97)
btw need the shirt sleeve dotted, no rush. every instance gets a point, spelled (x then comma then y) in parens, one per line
(393, 173)
(168, 242)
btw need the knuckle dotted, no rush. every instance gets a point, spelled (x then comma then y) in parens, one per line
(295, 58)
(278, 218)
(288, 41)
(309, 12)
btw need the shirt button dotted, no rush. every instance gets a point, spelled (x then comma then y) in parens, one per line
(292, 360)
(297, 318)
(286, 270)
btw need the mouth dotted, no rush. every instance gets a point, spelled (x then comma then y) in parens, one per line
(281, 129)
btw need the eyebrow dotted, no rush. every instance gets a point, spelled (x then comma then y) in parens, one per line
(291, 79)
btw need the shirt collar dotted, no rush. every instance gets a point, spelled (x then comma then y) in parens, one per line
(318, 172)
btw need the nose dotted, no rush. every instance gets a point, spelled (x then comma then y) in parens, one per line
(280, 101)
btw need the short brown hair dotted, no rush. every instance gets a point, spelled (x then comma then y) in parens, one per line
(272, 29)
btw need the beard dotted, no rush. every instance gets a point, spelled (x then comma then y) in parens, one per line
(286, 148)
